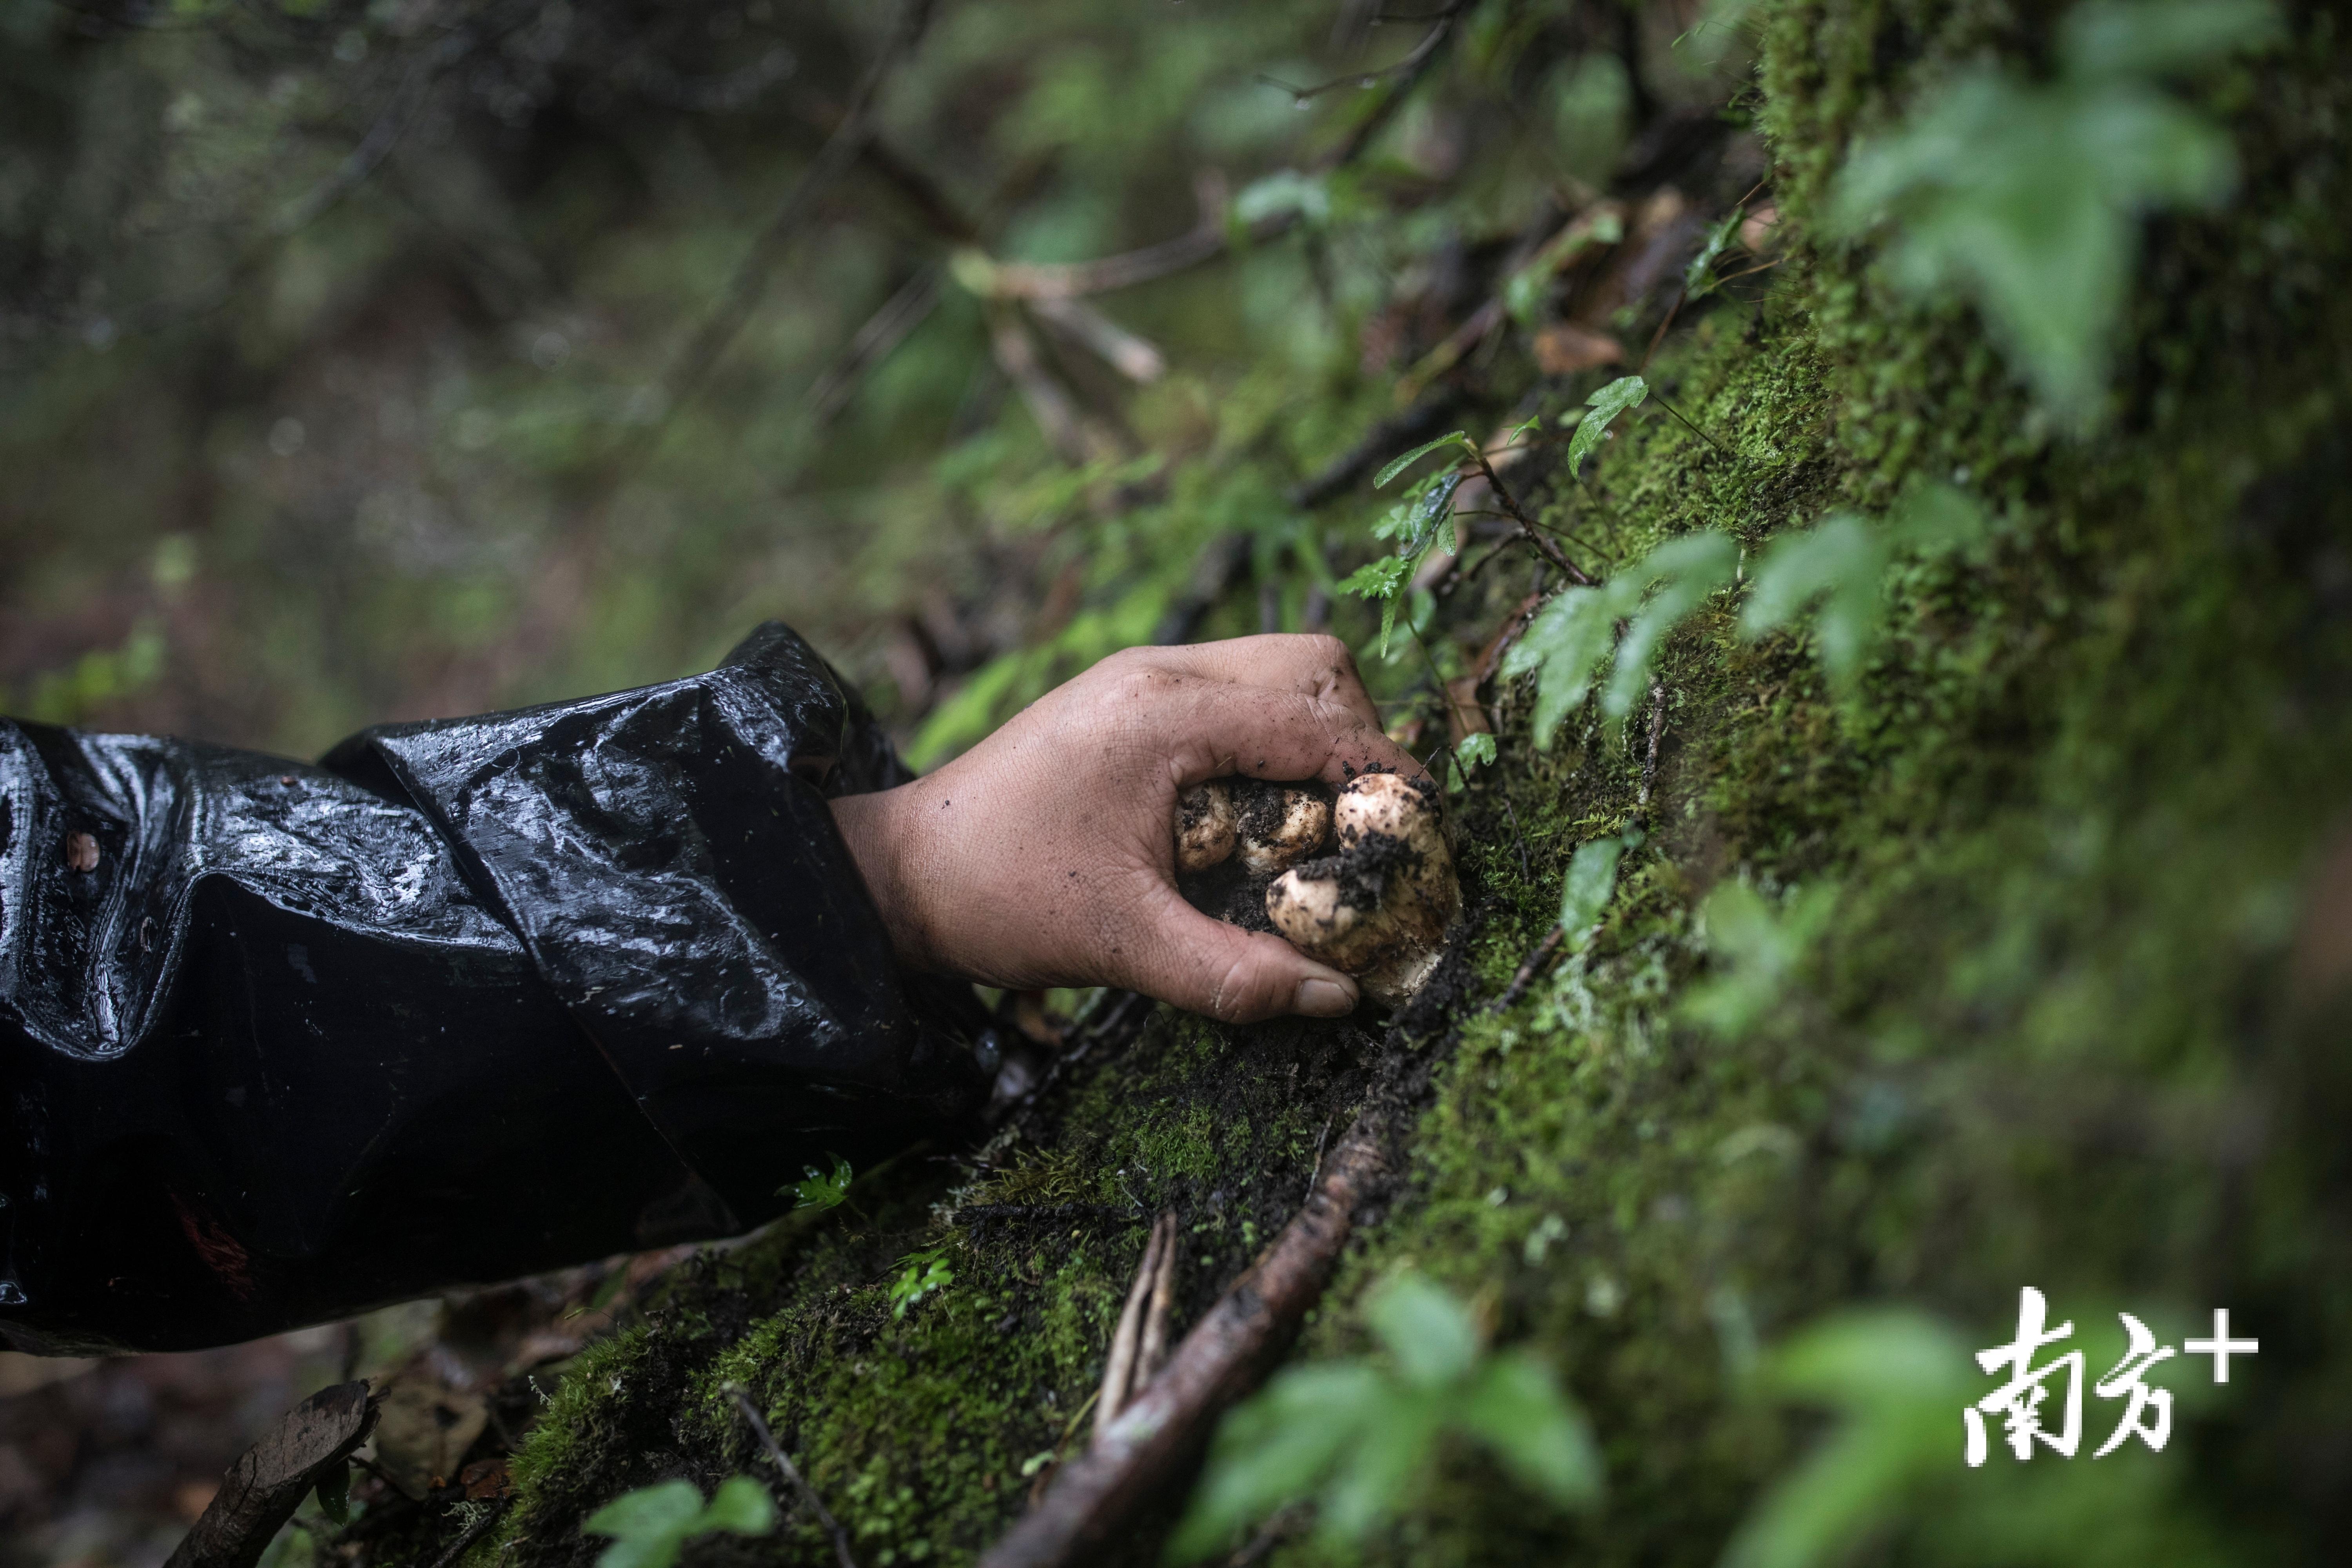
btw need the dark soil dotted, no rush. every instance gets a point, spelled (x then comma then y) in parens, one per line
(1364, 869)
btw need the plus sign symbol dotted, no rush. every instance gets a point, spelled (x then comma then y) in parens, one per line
(2221, 1347)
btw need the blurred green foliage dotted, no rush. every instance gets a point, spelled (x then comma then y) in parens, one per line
(1359, 1437)
(2028, 196)
(649, 1527)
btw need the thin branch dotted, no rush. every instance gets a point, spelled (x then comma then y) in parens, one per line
(1529, 970)
(1210, 238)
(841, 149)
(1119, 1365)
(1409, 64)
(874, 342)
(1688, 425)
(1224, 1356)
(1133, 356)
(800, 1485)
(1650, 762)
(1517, 513)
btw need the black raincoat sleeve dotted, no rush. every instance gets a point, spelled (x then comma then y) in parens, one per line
(467, 1000)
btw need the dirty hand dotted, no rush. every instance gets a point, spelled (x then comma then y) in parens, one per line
(1044, 856)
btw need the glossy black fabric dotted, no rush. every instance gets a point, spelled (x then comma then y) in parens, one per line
(467, 1000)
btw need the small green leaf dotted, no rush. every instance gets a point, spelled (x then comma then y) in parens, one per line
(1516, 1406)
(1626, 392)
(1381, 579)
(1281, 1445)
(1896, 1378)
(2027, 196)
(1560, 647)
(650, 1524)
(1284, 191)
(335, 1494)
(1385, 580)
(1386, 1468)
(919, 1275)
(740, 1506)
(1428, 1332)
(2163, 38)
(1756, 947)
(1475, 750)
(821, 1189)
(1683, 571)
(1838, 565)
(1698, 279)
(1833, 574)
(1398, 465)
(1419, 519)
(1592, 879)
(648, 1511)
(1359, 1436)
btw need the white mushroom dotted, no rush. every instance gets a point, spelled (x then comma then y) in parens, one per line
(1204, 826)
(1281, 828)
(1379, 908)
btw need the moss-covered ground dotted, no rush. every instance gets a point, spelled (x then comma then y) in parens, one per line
(2056, 1017)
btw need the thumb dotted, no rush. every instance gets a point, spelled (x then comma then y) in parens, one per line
(1204, 965)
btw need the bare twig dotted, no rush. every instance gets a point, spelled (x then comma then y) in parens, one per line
(1408, 66)
(841, 149)
(1517, 513)
(883, 331)
(1222, 1358)
(1152, 1353)
(1316, 1175)
(1650, 762)
(1132, 356)
(1527, 870)
(1210, 238)
(1118, 1366)
(806, 1492)
(1534, 966)
(1077, 439)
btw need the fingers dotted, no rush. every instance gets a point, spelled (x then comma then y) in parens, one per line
(1204, 965)
(1315, 664)
(1208, 729)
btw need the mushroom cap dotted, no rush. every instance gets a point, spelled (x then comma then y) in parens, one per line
(1381, 907)
(1277, 834)
(1204, 826)
(1387, 802)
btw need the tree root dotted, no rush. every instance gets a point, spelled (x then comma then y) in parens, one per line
(1164, 1427)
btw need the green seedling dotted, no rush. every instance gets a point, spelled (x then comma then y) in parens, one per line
(920, 1274)
(1568, 641)
(822, 1189)
(1833, 575)
(1757, 946)
(649, 1525)
(1360, 1435)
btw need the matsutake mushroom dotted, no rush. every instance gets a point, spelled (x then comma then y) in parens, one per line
(1204, 826)
(1379, 908)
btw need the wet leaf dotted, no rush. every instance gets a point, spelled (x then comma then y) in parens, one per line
(1398, 465)
(1626, 392)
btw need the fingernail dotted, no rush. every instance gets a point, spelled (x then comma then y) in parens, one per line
(1323, 998)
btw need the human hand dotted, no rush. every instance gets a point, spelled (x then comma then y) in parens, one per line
(1044, 856)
